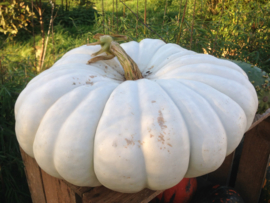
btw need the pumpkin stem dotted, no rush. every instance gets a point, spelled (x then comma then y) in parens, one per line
(112, 48)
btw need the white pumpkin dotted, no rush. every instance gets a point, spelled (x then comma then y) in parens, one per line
(88, 125)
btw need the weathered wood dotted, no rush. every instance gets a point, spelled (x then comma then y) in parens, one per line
(57, 191)
(259, 118)
(105, 195)
(34, 178)
(252, 165)
(222, 174)
(264, 130)
(78, 190)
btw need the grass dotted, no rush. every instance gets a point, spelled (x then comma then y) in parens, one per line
(239, 31)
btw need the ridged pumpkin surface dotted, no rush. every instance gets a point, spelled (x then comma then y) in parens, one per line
(87, 125)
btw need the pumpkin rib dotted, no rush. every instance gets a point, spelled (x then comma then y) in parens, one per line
(69, 67)
(221, 85)
(223, 72)
(36, 116)
(156, 156)
(206, 92)
(117, 161)
(170, 144)
(171, 59)
(61, 110)
(200, 160)
(89, 119)
(164, 56)
(194, 59)
(206, 68)
(34, 86)
(147, 51)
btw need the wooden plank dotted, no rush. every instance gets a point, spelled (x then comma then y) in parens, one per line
(56, 190)
(252, 165)
(259, 118)
(265, 192)
(104, 195)
(78, 190)
(222, 174)
(34, 178)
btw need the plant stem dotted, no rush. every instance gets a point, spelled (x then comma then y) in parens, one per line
(145, 15)
(116, 16)
(179, 14)
(47, 39)
(112, 48)
(192, 25)
(42, 35)
(137, 19)
(112, 15)
(180, 30)
(33, 30)
(165, 10)
(144, 23)
(103, 17)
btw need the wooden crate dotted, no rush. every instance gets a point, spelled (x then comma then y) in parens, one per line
(47, 189)
(246, 175)
(245, 168)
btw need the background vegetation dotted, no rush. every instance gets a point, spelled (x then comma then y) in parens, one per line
(37, 33)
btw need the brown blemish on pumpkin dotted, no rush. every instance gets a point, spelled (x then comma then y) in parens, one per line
(129, 142)
(153, 101)
(106, 67)
(169, 144)
(89, 83)
(151, 135)
(161, 138)
(151, 67)
(92, 76)
(74, 83)
(161, 120)
(141, 143)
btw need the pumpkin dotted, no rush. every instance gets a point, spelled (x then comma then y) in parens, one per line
(147, 118)
(180, 193)
(217, 194)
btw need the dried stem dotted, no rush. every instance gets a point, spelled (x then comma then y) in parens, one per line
(39, 8)
(112, 49)
(137, 18)
(103, 17)
(165, 10)
(112, 15)
(180, 30)
(191, 35)
(179, 14)
(124, 11)
(143, 23)
(116, 16)
(47, 39)
(145, 4)
(218, 26)
(33, 30)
